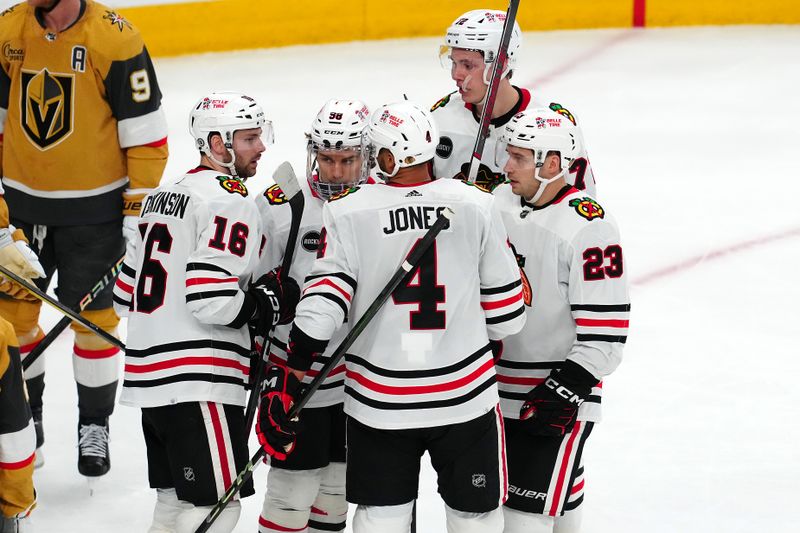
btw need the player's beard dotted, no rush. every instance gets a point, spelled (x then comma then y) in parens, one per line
(243, 171)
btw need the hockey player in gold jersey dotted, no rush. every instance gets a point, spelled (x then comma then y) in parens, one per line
(83, 140)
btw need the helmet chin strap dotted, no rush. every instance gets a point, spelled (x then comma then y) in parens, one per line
(230, 166)
(543, 183)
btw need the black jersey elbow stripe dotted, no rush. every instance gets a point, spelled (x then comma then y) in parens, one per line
(602, 308)
(121, 301)
(245, 312)
(432, 404)
(206, 266)
(184, 377)
(416, 374)
(529, 365)
(322, 526)
(128, 271)
(208, 344)
(585, 337)
(498, 290)
(205, 295)
(335, 384)
(506, 317)
(328, 296)
(338, 275)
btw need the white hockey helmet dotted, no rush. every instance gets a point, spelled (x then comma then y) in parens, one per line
(339, 125)
(481, 30)
(407, 131)
(543, 130)
(226, 113)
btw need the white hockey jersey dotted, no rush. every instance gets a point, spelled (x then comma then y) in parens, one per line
(182, 285)
(276, 218)
(424, 360)
(576, 294)
(458, 128)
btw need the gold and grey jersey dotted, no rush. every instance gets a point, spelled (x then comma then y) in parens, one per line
(83, 132)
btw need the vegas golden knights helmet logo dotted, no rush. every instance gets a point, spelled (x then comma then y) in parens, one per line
(46, 107)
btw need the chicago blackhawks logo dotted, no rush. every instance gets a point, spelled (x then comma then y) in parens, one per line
(564, 112)
(275, 196)
(527, 291)
(441, 102)
(343, 194)
(46, 107)
(587, 208)
(232, 185)
(116, 20)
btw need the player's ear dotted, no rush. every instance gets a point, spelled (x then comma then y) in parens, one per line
(216, 144)
(386, 161)
(553, 161)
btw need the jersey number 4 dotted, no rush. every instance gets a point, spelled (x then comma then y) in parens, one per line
(420, 287)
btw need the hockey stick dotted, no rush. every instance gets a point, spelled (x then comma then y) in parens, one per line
(409, 264)
(33, 289)
(62, 324)
(286, 179)
(497, 72)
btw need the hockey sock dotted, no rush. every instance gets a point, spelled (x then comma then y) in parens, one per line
(521, 522)
(462, 522)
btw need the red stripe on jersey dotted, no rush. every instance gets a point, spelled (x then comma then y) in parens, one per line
(601, 323)
(202, 281)
(263, 522)
(124, 286)
(569, 191)
(186, 361)
(17, 465)
(511, 380)
(156, 144)
(326, 281)
(578, 487)
(95, 354)
(421, 389)
(502, 303)
(220, 438)
(526, 99)
(562, 471)
(318, 511)
(338, 370)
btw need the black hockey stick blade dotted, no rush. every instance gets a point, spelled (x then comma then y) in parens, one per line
(498, 65)
(33, 289)
(109, 277)
(407, 266)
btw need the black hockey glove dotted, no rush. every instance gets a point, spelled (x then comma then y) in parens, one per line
(486, 179)
(552, 406)
(276, 300)
(276, 433)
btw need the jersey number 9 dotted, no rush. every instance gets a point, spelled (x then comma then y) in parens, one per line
(140, 86)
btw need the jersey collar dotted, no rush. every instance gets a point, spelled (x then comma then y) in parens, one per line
(565, 191)
(524, 98)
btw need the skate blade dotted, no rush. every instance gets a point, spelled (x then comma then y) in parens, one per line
(91, 483)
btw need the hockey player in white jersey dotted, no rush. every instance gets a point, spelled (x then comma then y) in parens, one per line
(184, 286)
(470, 46)
(305, 492)
(421, 375)
(576, 289)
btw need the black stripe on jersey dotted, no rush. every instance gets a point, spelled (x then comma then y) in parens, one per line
(529, 365)
(605, 338)
(189, 345)
(206, 266)
(128, 271)
(332, 297)
(506, 317)
(434, 404)
(344, 277)
(321, 526)
(184, 376)
(602, 308)
(120, 301)
(569, 506)
(354, 359)
(282, 346)
(210, 294)
(522, 396)
(246, 312)
(333, 385)
(504, 288)
(120, 93)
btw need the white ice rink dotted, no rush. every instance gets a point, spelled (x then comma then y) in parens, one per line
(693, 135)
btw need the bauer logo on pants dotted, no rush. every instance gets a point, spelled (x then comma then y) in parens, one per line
(47, 107)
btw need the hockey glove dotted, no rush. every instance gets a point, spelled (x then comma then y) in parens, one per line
(17, 256)
(276, 301)
(486, 179)
(276, 433)
(552, 406)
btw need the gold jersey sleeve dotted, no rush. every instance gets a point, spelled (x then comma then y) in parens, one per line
(82, 126)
